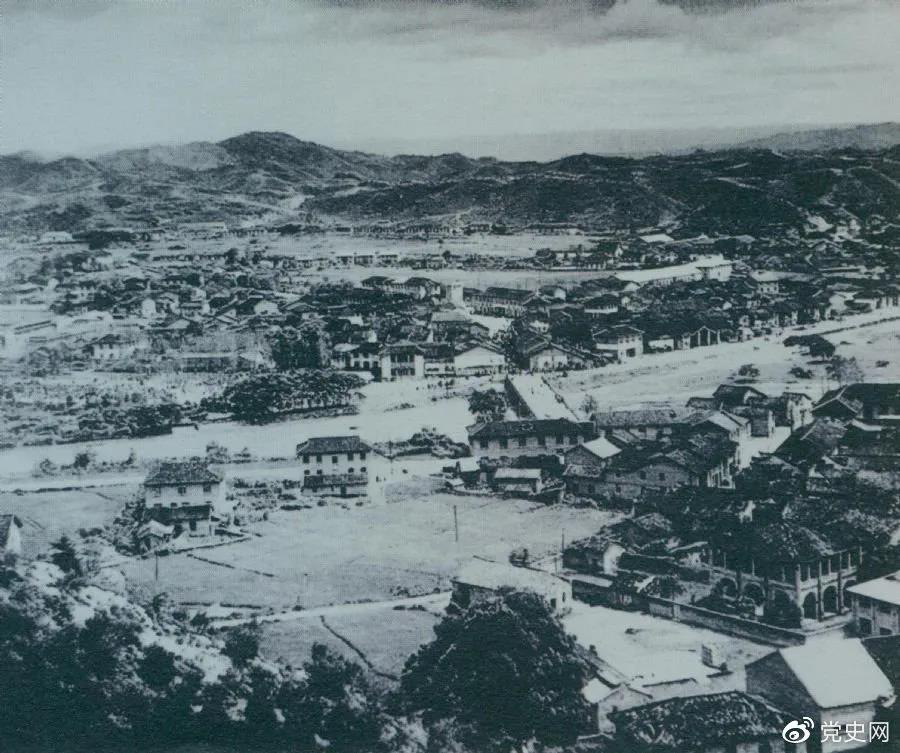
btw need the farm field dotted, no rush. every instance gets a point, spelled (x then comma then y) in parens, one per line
(385, 636)
(342, 553)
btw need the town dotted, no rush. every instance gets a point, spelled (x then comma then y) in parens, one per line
(686, 448)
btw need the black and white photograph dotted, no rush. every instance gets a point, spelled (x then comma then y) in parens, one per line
(449, 376)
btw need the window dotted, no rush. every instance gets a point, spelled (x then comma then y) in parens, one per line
(320, 472)
(349, 456)
(483, 444)
(662, 476)
(618, 488)
(559, 439)
(362, 469)
(504, 443)
(334, 459)
(350, 469)
(573, 440)
(207, 488)
(362, 456)
(157, 491)
(306, 472)
(884, 631)
(193, 525)
(643, 475)
(182, 490)
(318, 458)
(306, 459)
(542, 441)
(522, 441)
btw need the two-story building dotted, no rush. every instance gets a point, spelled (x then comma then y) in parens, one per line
(784, 562)
(337, 466)
(876, 605)
(621, 342)
(183, 495)
(550, 436)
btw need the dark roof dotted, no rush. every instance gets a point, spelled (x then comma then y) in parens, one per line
(324, 445)
(698, 722)
(812, 442)
(532, 427)
(644, 417)
(190, 472)
(736, 393)
(885, 650)
(867, 393)
(781, 542)
(510, 294)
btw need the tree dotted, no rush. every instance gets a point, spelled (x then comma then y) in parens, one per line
(748, 371)
(589, 406)
(297, 349)
(879, 563)
(505, 670)
(844, 370)
(782, 613)
(242, 644)
(487, 405)
(65, 557)
(84, 459)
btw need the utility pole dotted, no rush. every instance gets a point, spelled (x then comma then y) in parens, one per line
(455, 525)
(156, 566)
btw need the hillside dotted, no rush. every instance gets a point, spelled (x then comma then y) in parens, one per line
(273, 178)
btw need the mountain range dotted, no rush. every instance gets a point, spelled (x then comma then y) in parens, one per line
(764, 186)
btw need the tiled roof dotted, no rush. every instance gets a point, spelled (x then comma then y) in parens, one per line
(324, 445)
(625, 419)
(533, 427)
(698, 722)
(191, 472)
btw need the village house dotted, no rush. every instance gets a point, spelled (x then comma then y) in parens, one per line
(482, 579)
(510, 302)
(601, 306)
(478, 359)
(585, 464)
(871, 401)
(540, 354)
(522, 481)
(402, 361)
(551, 436)
(10, 535)
(778, 561)
(335, 465)
(649, 423)
(183, 495)
(110, 348)
(702, 460)
(621, 342)
(836, 683)
(730, 721)
(876, 605)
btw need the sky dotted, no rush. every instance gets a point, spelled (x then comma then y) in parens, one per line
(82, 76)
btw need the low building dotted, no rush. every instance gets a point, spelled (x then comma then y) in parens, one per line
(871, 401)
(10, 535)
(836, 683)
(731, 721)
(551, 436)
(481, 579)
(183, 495)
(518, 480)
(478, 359)
(337, 484)
(876, 605)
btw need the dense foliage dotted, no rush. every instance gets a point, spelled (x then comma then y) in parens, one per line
(261, 398)
(504, 672)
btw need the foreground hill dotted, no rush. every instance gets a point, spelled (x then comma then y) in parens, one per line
(273, 178)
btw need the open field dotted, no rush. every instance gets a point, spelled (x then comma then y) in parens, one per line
(343, 553)
(386, 636)
(48, 515)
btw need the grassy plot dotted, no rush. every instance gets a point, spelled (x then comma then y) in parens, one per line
(337, 554)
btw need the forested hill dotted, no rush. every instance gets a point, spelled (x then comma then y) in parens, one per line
(274, 178)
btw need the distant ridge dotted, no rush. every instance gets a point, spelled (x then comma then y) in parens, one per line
(865, 137)
(780, 185)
